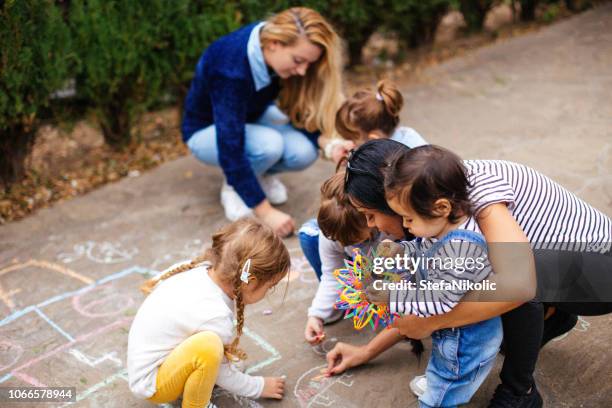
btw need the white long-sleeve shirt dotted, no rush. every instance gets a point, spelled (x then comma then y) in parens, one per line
(332, 255)
(179, 307)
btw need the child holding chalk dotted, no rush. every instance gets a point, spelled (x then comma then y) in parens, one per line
(181, 339)
(343, 229)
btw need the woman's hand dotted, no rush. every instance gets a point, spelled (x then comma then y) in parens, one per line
(280, 222)
(314, 333)
(415, 327)
(274, 387)
(344, 356)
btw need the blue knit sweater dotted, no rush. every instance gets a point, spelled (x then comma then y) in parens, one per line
(223, 92)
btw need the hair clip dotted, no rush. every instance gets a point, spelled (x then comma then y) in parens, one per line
(379, 96)
(246, 274)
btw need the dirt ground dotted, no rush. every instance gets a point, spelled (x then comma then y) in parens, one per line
(69, 275)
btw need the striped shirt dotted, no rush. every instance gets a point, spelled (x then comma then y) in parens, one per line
(550, 215)
(446, 268)
(546, 211)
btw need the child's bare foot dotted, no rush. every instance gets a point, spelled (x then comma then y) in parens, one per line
(274, 387)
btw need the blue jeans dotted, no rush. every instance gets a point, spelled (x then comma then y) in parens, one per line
(460, 361)
(309, 241)
(272, 145)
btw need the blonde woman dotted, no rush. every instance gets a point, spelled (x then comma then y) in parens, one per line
(231, 119)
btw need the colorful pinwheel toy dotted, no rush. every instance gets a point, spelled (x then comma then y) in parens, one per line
(353, 280)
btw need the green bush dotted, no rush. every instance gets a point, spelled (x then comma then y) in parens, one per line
(134, 51)
(34, 61)
(474, 12)
(356, 20)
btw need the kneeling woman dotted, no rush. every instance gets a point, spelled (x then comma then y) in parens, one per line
(230, 118)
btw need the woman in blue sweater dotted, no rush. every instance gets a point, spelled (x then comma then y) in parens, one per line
(231, 119)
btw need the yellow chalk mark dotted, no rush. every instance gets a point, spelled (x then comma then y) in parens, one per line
(47, 265)
(6, 297)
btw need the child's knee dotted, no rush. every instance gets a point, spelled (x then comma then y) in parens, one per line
(208, 346)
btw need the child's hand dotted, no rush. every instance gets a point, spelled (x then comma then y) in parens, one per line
(377, 296)
(314, 333)
(274, 387)
(389, 249)
(342, 150)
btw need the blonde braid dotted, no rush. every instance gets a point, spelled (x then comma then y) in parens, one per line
(149, 285)
(232, 352)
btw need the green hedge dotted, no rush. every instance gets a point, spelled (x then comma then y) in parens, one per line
(128, 55)
(133, 51)
(35, 60)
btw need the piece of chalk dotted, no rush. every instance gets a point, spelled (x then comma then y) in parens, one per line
(267, 312)
(284, 377)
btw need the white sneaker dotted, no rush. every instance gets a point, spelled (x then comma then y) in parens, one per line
(418, 385)
(233, 205)
(275, 190)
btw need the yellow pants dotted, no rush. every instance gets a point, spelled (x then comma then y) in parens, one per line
(190, 369)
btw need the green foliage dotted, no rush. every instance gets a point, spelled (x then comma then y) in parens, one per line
(35, 58)
(414, 20)
(551, 13)
(474, 12)
(134, 51)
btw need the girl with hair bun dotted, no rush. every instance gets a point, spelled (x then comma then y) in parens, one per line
(182, 339)
(262, 101)
(374, 114)
(367, 115)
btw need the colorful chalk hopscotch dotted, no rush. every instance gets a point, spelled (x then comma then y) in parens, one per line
(46, 344)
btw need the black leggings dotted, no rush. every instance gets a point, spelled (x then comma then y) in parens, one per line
(523, 328)
(578, 283)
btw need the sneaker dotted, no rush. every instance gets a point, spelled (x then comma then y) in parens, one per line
(503, 397)
(233, 205)
(275, 190)
(418, 385)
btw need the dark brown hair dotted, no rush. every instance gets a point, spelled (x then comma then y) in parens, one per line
(338, 219)
(231, 247)
(369, 110)
(425, 174)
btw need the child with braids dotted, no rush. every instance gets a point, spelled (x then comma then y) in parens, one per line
(181, 339)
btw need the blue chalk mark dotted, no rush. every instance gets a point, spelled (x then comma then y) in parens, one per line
(5, 377)
(107, 381)
(53, 324)
(261, 342)
(17, 314)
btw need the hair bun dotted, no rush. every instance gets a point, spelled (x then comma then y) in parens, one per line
(390, 96)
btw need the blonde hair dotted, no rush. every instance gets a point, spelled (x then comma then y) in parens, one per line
(231, 247)
(309, 101)
(370, 110)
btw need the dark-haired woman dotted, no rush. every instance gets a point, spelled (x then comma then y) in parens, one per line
(509, 199)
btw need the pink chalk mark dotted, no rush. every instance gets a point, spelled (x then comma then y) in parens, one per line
(79, 339)
(6, 345)
(30, 380)
(86, 310)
